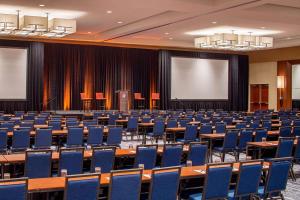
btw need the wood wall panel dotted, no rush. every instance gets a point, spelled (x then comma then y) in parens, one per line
(284, 68)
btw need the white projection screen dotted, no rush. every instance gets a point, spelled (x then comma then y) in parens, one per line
(296, 82)
(13, 73)
(199, 79)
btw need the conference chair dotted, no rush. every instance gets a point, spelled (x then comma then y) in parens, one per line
(101, 99)
(103, 157)
(220, 127)
(296, 122)
(27, 124)
(55, 124)
(296, 131)
(38, 163)
(229, 144)
(205, 120)
(120, 188)
(95, 136)
(286, 122)
(198, 153)
(217, 182)
(112, 119)
(7, 125)
(285, 147)
(20, 140)
(171, 155)
(43, 139)
(146, 155)
(74, 137)
(164, 183)
(139, 101)
(267, 125)
(255, 124)
(276, 180)
(190, 134)
(83, 187)
(228, 120)
(15, 189)
(241, 125)
(71, 159)
(19, 113)
(285, 131)
(248, 180)
(245, 137)
(155, 98)
(72, 122)
(158, 131)
(132, 126)
(146, 119)
(40, 121)
(205, 129)
(87, 123)
(3, 140)
(114, 137)
(260, 134)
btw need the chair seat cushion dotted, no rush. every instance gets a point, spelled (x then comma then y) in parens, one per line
(197, 196)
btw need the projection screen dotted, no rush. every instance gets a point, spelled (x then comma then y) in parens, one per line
(296, 82)
(13, 73)
(199, 79)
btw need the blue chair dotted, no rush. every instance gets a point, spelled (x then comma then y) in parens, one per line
(95, 136)
(146, 155)
(285, 147)
(56, 125)
(132, 126)
(158, 130)
(198, 153)
(267, 125)
(171, 123)
(74, 137)
(27, 124)
(276, 179)
(125, 186)
(20, 140)
(296, 122)
(146, 119)
(3, 140)
(285, 131)
(296, 130)
(183, 122)
(245, 137)
(83, 187)
(87, 123)
(297, 151)
(7, 125)
(205, 129)
(114, 137)
(70, 123)
(228, 120)
(286, 122)
(171, 155)
(19, 113)
(220, 128)
(40, 121)
(13, 189)
(43, 139)
(38, 164)
(71, 160)
(112, 119)
(103, 157)
(164, 183)
(241, 125)
(190, 134)
(229, 144)
(217, 182)
(255, 124)
(28, 117)
(248, 180)
(259, 134)
(206, 120)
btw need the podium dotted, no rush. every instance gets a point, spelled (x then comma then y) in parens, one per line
(123, 100)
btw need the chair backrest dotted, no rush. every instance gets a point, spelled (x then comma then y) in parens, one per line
(286, 122)
(8, 125)
(259, 134)
(255, 124)
(146, 119)
(27, 124)
(137, 95)
(278, 175)
(155, 96)
(228, 120)
(114, 136)
(171, 123)
(285, 131)
(38, 164)
(103, 157)
(145, 154)
(43, 138)
(159, 128)
(220, 127)
(205, 129)
(245, 136)
(249, 178)
(15, 189)
(99, 95)
(55, 124)
(297, 150)
(231, 139)
(88, 123)
(296, 130)
(184, 122)
(75, 136)
(112, 119)
(21, 139)
(71, 160)
(125, 184)
(217, 181)
(198, 153)
(190, 133)
(132, 124)
(95, 136)
(40, 121)
(82, 95)
(285, 147)
(267, 125)
(296, 122)
(164, 183)
(83, 187)
(241, 125)
(172, 155)
(72, 123)
(3, 140)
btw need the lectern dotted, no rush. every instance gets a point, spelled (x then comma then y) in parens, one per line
(123, 100)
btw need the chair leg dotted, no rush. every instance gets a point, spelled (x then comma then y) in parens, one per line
(223, 157)
(292, 174)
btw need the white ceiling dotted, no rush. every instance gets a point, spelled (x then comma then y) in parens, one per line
(145, 22)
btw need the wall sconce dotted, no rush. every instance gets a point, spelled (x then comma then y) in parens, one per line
(280, 86)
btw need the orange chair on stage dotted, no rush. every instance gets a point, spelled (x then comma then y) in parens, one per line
(86, 101)
(155, 100)
(140, 101)
(101, 99)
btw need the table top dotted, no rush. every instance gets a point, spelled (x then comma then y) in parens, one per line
(266, 144)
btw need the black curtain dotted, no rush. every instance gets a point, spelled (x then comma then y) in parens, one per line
(34, 86)
(238, 82)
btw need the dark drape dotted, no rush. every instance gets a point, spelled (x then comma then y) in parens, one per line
(238, 82)
(72, 69)
(34, 86)
(296, 104)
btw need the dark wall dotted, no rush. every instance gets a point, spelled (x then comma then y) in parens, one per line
(34, 77)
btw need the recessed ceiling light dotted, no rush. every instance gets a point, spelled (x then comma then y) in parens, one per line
(170, 38)
(262, 27)
(108, 11)
(213, 22)
(120, 22)
(167, 33)
(42, 5)
(288, 38)
(89, 32)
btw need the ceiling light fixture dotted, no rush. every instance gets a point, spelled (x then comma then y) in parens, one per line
(167, 33)
(108, 11)
(120, 22)
(42, 5)
(213, 22)
(170, 38)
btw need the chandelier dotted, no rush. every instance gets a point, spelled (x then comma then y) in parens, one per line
(11, 24)
(232, 41)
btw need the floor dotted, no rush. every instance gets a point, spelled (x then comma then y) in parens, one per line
(293, 188)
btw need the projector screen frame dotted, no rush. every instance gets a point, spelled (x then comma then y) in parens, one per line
(27, 77)
(200, 100)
